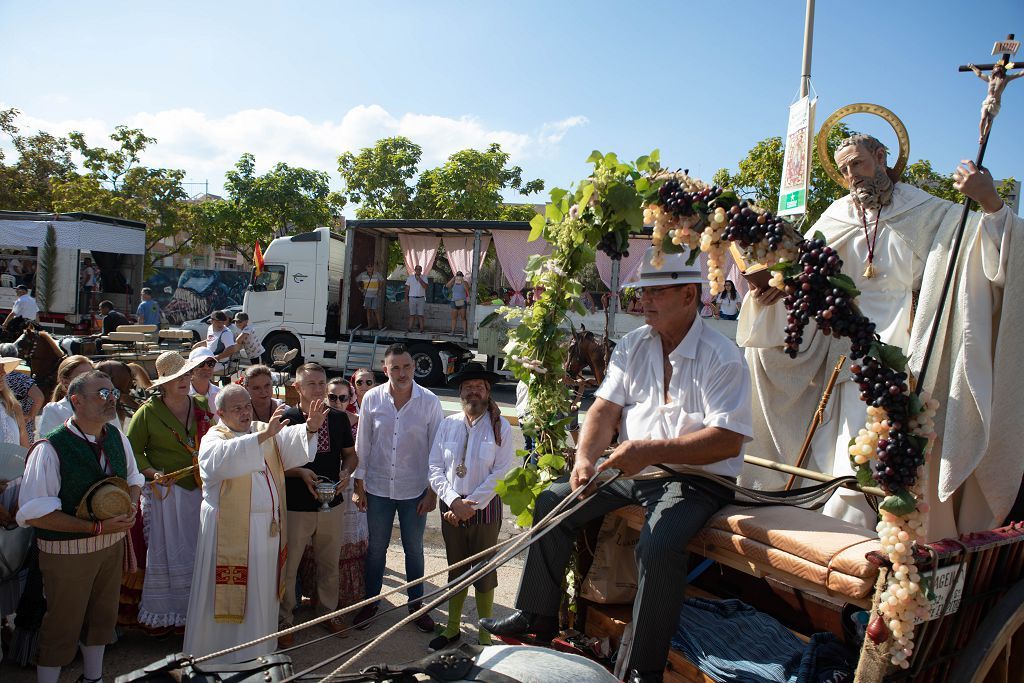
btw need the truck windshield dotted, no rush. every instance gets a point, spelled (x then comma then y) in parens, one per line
(270, 280)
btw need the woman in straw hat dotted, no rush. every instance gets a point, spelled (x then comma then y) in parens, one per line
(59, 409)
(165, 434)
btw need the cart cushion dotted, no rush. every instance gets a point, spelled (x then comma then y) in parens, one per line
(809, 545)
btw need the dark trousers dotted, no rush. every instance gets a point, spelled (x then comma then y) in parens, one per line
(675, 509)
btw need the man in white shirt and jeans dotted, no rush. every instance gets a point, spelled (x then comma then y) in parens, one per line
(680, 394)
(397, 425)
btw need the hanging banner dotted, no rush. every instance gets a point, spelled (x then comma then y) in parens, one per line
(796, 165)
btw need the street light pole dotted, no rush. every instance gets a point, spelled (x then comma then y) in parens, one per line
(805, 75)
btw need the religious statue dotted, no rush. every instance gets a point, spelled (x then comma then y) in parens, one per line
(894, 241)
(996, 85)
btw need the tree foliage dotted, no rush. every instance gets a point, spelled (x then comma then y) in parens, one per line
(42, 159)
(468, 186)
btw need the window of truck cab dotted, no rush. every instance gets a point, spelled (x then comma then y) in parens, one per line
(270, 280)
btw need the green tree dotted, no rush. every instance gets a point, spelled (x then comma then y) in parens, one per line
(282, 201)
(469, 185)
(26, 185)
(378, 178)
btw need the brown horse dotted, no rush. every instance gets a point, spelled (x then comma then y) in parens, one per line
(40, 352)
(131, 380)
(586, 350)
(12, 329)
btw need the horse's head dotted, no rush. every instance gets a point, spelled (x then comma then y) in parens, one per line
(13, 329)
(25, 343)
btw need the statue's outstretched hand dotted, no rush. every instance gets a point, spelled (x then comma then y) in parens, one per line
(977, 184)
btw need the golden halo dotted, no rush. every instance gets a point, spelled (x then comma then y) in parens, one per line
(861, 108)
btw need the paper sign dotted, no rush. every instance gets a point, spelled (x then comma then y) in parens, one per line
(1006, 47)
(797, 160)
(942, 587)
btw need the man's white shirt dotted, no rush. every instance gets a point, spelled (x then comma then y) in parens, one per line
(710, 387)
(394, 445)
(415, 288)
(486, 462)
(26, 307)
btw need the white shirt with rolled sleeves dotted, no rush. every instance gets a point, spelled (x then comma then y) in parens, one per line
(710, 387)
(40, 485)
(394, 445)
(486, 461)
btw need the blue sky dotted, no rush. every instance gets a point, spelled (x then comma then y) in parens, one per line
(302, 82)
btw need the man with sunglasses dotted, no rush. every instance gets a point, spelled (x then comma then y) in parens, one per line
(335, 460)
(679, 393)
(80, 559)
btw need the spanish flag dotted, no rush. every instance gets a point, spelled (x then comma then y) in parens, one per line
(257, 259)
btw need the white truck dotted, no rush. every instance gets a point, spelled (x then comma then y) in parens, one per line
(306, 298)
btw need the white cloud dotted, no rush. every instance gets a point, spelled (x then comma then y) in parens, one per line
(205, 147)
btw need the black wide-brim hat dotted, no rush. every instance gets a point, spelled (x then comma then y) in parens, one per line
(472, 371)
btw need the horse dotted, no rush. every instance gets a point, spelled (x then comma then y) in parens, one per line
(131, 380)
(12, 329)
(41, 353)
(585, 350)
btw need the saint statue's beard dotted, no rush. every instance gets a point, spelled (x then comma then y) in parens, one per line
(873, 193)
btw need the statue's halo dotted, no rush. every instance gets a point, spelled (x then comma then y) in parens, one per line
(862, 108)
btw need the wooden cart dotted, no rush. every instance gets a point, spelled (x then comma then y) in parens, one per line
(813, 573)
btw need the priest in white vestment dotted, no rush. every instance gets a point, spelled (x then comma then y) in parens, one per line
(236, 585)
(905, 235)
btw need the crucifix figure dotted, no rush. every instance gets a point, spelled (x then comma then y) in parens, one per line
(997, 81)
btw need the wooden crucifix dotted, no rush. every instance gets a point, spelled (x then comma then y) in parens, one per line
(997, 81)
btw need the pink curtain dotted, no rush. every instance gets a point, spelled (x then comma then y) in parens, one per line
(513, 252)
(419, 250)
(460, 253)
(628, 267)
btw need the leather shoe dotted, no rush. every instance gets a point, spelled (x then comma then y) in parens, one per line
(520, 624)
(423, 622)
(649, 677)
(442, 641)
(364, 615)
(285, 641)
(336, 626)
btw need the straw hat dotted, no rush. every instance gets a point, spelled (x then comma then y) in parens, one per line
(105, 499)
(170, 365)
(673, 271)
(10, 363)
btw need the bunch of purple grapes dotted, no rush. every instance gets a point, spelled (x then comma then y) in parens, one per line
(748, 227)
(678, 202)
(899, 456)
(609, 244)
(811, 296)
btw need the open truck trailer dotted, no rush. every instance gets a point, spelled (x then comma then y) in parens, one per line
(116, 245)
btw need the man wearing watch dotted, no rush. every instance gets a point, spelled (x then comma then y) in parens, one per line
(335, 460)
(472, 452)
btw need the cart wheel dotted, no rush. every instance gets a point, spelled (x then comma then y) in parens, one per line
(995, 653)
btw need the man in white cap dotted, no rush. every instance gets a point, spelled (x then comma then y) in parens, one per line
(679, 393)
(24, 306)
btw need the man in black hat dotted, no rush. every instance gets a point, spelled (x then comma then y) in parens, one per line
(471, 453)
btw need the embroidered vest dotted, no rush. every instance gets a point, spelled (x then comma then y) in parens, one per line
(80, 469)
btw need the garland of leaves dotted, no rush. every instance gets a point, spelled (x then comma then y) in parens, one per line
(616, 201)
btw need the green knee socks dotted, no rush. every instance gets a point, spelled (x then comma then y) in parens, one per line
(485, 608)
(455, 614)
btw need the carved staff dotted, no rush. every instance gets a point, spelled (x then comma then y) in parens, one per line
(818, 418)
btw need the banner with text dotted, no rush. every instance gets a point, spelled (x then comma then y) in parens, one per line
(796, 165)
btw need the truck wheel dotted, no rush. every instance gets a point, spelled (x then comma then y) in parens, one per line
(427, 367)
(277, 345)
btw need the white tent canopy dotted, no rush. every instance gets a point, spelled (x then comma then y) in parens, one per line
(81, 235)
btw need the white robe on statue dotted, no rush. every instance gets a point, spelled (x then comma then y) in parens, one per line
(221, 459)
(973, 472)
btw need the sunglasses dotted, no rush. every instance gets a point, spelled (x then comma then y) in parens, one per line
(107, 394)
(368, 382)
(337, 397)
(208, 363)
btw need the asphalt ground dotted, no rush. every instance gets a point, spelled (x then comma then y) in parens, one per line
(135, 650)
